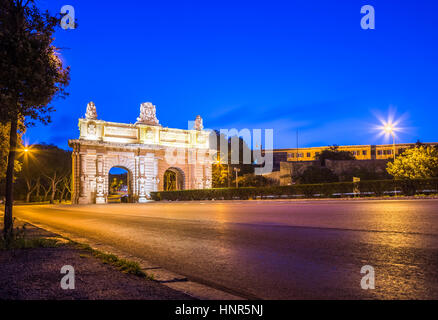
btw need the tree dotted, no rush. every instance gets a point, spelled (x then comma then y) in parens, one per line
(55, 165)
(30, 174)
(314, 174)
(372, 173)
(219, 175)
(416, 163)
(4, 150)
(333, 153)
(31, 75)
(223, 174)
(252, 180)
(66, 188)
(44, 167)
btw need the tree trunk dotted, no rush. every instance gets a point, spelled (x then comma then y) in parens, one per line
(54, 189)
(38, 190)
(61, 196)
(8, 222)
(29, 190)
(52, 197)
(46, 193)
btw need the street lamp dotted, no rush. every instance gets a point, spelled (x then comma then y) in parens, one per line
(389, 129)
(237, 182)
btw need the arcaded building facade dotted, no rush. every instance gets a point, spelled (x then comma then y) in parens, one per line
(146, 150)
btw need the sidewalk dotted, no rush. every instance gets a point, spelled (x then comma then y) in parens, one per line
(34, 273)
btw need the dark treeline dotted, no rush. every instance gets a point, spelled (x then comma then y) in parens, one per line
(45, 174)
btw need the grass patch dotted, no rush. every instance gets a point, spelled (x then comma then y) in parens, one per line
(19, 240)
(23, 243)
(126, 266)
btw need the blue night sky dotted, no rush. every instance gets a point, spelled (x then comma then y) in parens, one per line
(285, 65)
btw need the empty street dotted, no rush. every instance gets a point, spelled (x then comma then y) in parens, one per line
(270, 249)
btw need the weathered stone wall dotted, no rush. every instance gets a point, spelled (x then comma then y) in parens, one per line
(339, 167)
(290, 169)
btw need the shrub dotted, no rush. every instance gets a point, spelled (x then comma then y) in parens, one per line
(376, 187)
(315, 174)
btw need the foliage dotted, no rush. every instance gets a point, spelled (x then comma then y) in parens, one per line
(126, 266)
(118, 181)
(416, 163)
(252, 180)
(365, 174)
(20, 240)
(219, 173)
(4, 150)
(223, 173)
(367, 188)
(316, 174)
(333, 153)
(31, 72)
(31, 76)
(46, 174)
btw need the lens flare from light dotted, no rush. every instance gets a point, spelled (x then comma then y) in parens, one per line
(390, 126)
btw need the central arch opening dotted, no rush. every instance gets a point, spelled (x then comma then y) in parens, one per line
(119, 185)
(173, 180)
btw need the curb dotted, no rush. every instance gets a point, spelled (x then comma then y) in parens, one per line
(164, 277)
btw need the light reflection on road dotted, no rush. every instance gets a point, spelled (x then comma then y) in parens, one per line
(272, 249)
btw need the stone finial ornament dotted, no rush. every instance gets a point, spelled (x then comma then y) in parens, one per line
(91, 113)
(198, 123)
(148, 114)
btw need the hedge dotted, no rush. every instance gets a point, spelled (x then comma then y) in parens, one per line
(337, 189)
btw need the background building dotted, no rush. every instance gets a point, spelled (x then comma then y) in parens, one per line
(360, 152)
(288, 163)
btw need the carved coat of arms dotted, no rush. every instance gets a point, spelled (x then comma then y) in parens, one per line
(148, 114)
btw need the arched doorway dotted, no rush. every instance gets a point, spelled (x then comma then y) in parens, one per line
(119, 185)
(173, 180)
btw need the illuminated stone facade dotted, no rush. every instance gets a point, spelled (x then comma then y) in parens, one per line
(145, 149)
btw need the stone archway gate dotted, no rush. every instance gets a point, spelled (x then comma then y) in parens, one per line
(145, 149)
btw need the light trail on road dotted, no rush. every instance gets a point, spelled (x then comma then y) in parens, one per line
(271, 249)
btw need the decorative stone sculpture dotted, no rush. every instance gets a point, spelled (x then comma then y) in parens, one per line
(147, 114)
(91, 131)
(91, 113)
(100, 196)
(198, 123)
(142, 190)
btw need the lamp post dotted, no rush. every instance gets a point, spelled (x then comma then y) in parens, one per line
(390, 130)
(237, 182)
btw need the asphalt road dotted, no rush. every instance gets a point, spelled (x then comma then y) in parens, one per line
(271, 249)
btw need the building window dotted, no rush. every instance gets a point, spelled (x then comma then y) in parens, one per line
(364, 152)
(379, 152)
(308, 154)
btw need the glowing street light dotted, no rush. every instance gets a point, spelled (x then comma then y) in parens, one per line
(27, 151)
(389, 128)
